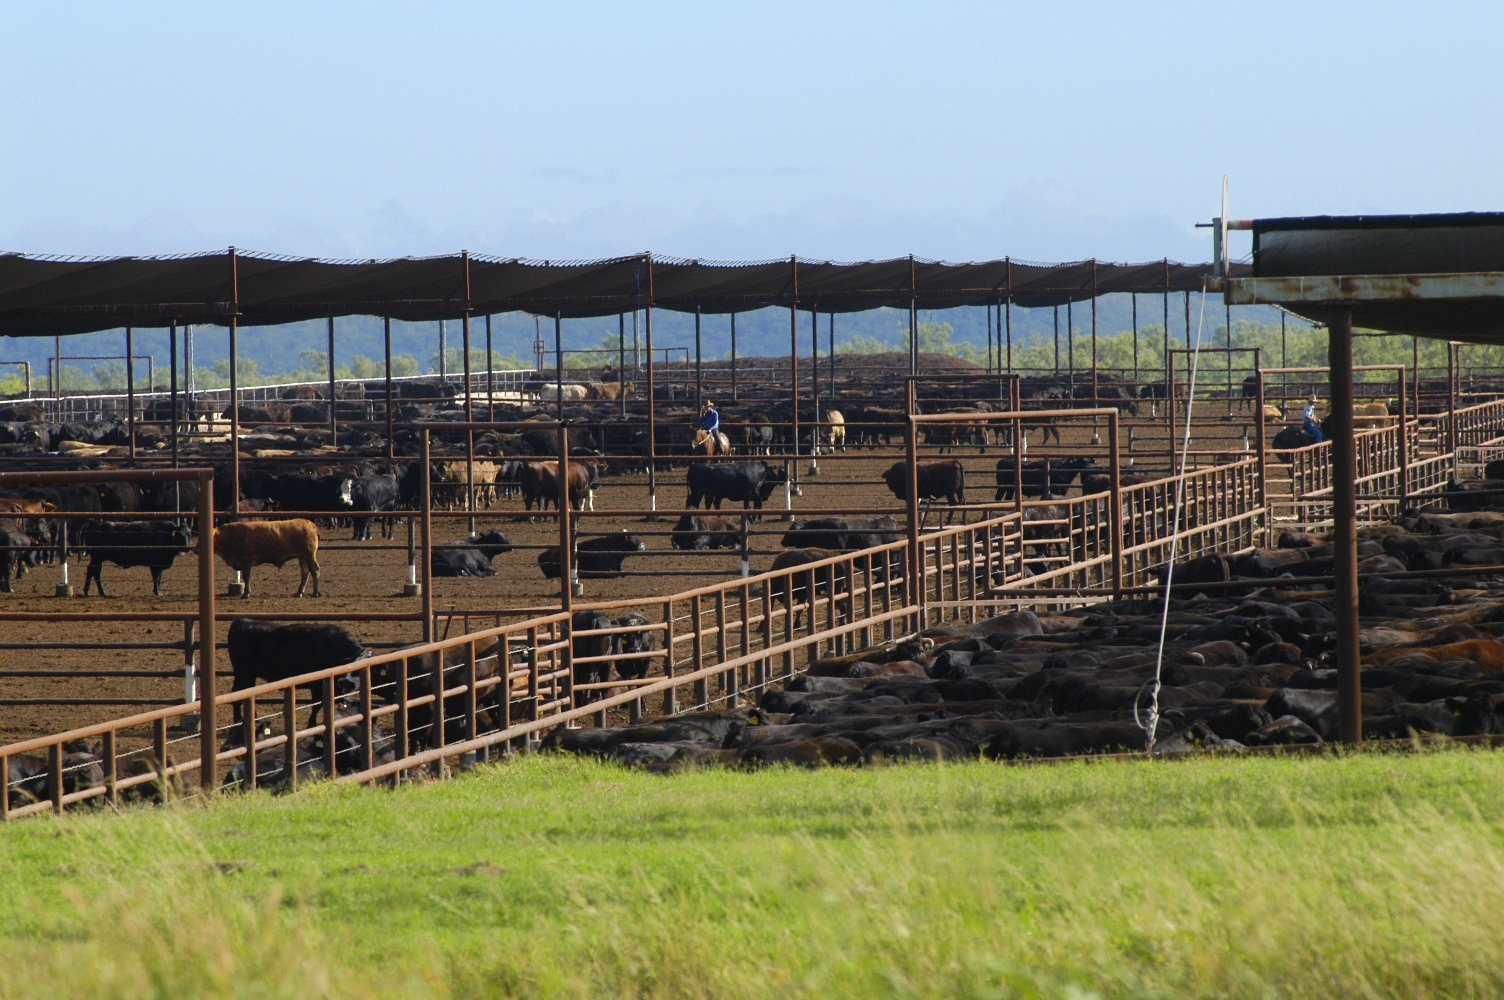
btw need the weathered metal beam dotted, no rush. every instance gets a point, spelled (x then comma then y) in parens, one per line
(1342, 289)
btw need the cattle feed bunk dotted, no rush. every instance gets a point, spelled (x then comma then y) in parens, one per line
(973, 571)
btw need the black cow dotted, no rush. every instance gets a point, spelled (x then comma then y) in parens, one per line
(750, 482)
(587, 641)
(372, 493)
(708, 532)
(643, 641)
(153, 544)
(598, 558)
(1041, 476)
(469, 556)
(265, 651)
(1294, 436)
(321, 494)
(935, 480)
(780, 587)
(18, 550)
(842, 533)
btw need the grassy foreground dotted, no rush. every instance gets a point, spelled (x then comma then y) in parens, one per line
(1364, 876)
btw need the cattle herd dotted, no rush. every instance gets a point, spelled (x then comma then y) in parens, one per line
(1247, 641)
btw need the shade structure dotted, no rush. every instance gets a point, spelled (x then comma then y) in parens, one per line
(1438, 276)
(47, 296)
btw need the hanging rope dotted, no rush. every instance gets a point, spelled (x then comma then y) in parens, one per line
(1151, 724)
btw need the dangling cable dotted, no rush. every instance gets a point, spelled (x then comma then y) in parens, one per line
(1151, 724)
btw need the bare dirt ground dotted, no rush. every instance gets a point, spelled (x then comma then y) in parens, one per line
(367, 577)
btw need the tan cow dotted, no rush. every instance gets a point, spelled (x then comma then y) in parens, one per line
(244, 544)
(1371, 415)
(485, 479)
(9, 506)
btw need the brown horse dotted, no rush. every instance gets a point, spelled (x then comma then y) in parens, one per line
(706, 443)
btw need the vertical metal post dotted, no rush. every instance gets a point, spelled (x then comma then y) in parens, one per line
(699, 382)
(57, 377)
(1115, 515)
(914, 583)
(1170, 406)
(233, 499)
(814, 382)
(793, 484)
(443, 355)
(1135, 340)
(1345, 528)
(208, 735)
(1070, 348)
(913, 320)
(567, 578)
(490, 374)
(190, 377)
(559, 360)
(425, 538)
(621, 360)
(1008, 330)
(831, 350)
(1057, 340)
(469, 400)
(386, 322)
(1451, 397)
(333, 431)
(733, 358)
(130, 389)
(647, 321)
(1094, 333)
(172, 393)
(1258, 374)
(1415, 360)
(1404, 442)
(989, 338)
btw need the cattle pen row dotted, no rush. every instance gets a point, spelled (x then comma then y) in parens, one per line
(1011, 551)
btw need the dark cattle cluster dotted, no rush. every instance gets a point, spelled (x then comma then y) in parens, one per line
(1242, 667)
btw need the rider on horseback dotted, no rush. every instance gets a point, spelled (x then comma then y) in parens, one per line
(710, 420)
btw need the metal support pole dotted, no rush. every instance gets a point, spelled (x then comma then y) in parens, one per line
(425, 537)
(1115, 515)
(1057, 340)
(1070, 348)
(914, 583)
(621, 360)
(733, 357)
(1404, 442)
(469, 400)
(647, 325)
(490, 375)
(1345, 658)
(792, 488)
(208, 735)
(814, 381)
(989, 338)
(1258, 376)
(1135, 340)
(1451, 397)
(559, 361)
(913, 320)
(233, 500)
(130, 389)
(831, 350)
(569, 581)
(699, 382)
(443, 355)
(172, 394)
(386, 323)
(333, 430)
(1094, 336)
(1008, 330)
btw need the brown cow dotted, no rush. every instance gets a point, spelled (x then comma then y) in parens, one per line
(244, 544)
(11, 506)
(540, 482)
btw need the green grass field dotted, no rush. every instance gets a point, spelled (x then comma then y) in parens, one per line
(1358, 876)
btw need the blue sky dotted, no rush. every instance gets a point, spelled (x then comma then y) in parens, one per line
(958, 131)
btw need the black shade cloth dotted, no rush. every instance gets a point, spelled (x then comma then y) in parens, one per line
(45, 296)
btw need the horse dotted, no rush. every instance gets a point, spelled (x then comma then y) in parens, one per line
(706, 443)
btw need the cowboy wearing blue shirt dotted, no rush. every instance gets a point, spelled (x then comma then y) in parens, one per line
(1311, 426)
(710, 421)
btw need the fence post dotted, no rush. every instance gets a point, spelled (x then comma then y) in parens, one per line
(208, 740)
(1404, 440)
(290, 728)
(914, 595)
(702, 686)
(1263, 467)
(425, 533)
(670, 702)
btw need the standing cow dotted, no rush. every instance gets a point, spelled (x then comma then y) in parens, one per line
(244, 544)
